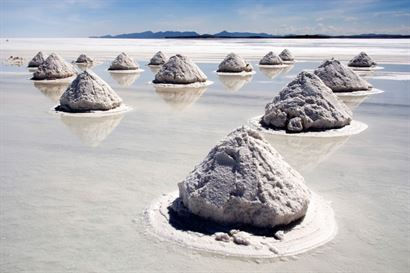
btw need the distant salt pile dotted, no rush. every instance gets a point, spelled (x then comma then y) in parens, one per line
(234, 63)
(54, 68)
(271, 59)
(84, 59)
(88, 92)
(286, 56)
(306, 104)
(179, 70)
(340, 78)
(158, 59)
(37, 60)
(362, 60)
(123, 62)
(243, 180)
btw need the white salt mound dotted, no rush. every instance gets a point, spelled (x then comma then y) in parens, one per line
(362, 60)
(243, 180)
(179, 70)
(123, 62)
(286, 56)
(234, 63)
(271, 59)
(340, 78)
(306, 104)
(37, 60)
(88, 92)
(84, 59)
(158, 59)
(54, 67)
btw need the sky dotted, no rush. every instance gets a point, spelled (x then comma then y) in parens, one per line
(84, 18)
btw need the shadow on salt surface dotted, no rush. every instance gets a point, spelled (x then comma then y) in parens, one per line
(125, 79)
(234, 82)
(180, 98)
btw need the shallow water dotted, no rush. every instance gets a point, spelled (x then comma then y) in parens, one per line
(73, 191)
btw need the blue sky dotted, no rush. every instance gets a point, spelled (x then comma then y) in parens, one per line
(82, 18)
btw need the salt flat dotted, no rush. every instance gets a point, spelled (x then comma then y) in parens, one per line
(73, 192)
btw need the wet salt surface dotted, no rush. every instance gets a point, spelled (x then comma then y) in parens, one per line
(73, 191)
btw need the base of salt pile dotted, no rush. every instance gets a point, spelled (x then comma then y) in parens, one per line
(360, 93)
(242, 73)
(116, 111)
(372, 68)
(178, 86)
(168, 220)
(56, 81)
(126, 71)
(275, 66)
(355, 127)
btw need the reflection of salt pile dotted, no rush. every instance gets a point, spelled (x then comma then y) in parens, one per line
(234, 63)
(92, 130)
(37, 60)
(154, 68)
(158, 59)
(271, 59)
(361, 60)
(180, 99)
(243, 180)
(15, 60)
(271, 72)
(54, 68)
(305, 153)
(84, 59)
(125, 79)
(353, 101)
(123, 62)
(52, 91)
(234, 82)
(179, 70)
(286, 56)
(340, 78)
(88, 92)
(306, 104)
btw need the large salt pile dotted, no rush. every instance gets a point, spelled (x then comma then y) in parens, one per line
(37, 60)
(234, 63)
(158, 59)
(123, 62)
(306, 104)
(179, 70)
(362, 60)
(286, 56)
(84, 59)
(243, 180)
(88, 92)
(271, 59)
(340, 78)
(54, 68)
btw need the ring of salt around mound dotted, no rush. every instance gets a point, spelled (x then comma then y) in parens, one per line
(288, 62)
(126, 71)
(62, 80)
(359, 93)
(190, 85)
(367, 68)
(275, 66)
(116, 111)
(354, 128)
(315, 229)
(243, 73)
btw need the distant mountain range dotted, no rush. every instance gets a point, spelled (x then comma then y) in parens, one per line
(226, 35)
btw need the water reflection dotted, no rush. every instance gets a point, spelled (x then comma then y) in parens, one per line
(305, 153)
(52, 90)
(92, 130)
(271, 73)
(180, 98)
(154, 68)
(287, 69)
(353, 101)
(234, 82)
(84, 66)
(125, 79)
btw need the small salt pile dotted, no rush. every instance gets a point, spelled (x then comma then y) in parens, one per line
(271, 59)
(158, 59)
(37, 60)
(123, 62)
(362, 60)
(234, 63)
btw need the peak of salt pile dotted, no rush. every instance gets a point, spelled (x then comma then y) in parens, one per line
(362, 60)
(271, 59)
(88, 92)
(243, 180)
(306, 104)
(54, 67)
(84, 59)
(286, 55)
(123, 62)
(234, 63)
(340, 78)
(37, 60)
(179, 70)
(158, 59)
